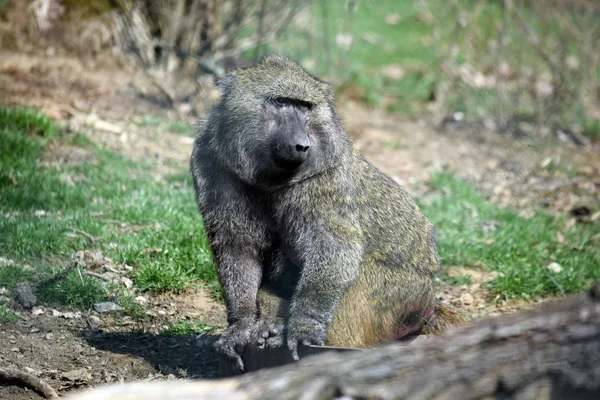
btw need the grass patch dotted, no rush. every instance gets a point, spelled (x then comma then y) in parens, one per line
(75, 289)
(10, 275)
(186, 328)
(407, 43)
(180, 127)
(132, 308)
(155, 227)
(473, 232)
(112, 199)
(422, 39)
(591, 128)
(7, 316)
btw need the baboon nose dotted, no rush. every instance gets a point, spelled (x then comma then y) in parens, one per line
(302, 143)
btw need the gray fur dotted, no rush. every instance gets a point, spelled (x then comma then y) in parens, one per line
(308, 236)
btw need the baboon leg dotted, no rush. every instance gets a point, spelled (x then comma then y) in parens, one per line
(272, 310)
(371, 312)
(270, 305)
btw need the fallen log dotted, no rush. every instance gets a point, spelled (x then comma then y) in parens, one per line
(551, 352)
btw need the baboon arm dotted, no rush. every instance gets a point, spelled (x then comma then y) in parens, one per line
(328, 270)
(240, 274)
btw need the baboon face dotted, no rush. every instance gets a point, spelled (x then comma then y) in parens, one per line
(288, 137)
(277, 124)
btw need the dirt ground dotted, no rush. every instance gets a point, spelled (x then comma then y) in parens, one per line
(71, 351)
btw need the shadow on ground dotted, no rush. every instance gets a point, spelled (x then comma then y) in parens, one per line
(181, 356)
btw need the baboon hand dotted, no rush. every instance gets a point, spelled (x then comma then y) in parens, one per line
(268, 333)
(305, 331)
(232, 342)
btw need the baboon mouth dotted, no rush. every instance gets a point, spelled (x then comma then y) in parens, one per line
(286, 163)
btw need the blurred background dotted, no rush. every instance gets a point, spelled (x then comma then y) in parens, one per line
(487, 111)
(518, 66)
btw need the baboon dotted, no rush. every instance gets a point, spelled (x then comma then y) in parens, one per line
(312, 244)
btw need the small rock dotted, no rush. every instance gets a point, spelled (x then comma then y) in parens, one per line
(393, 72)
(49, 336)
(106, 306)
(127, 282)
(5, 262)
(31, 371)
(34, 330)
(393, 19)
(15, 349)
(141, 300)
(3, 290)
(56, 313)
(71, 315)
(344, 40)
(37, 311)
(572, 63)
(95, 320)
(555, 267)
(77, 375)
(23, 295)
(466, 298)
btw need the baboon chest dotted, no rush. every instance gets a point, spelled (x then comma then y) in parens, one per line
(281, 262)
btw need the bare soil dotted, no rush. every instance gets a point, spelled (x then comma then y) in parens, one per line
(74, 352)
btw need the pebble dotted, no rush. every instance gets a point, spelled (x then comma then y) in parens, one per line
(23, 295)
(466, 298)
(555, 267)
(75, 375)
(95, 320)
(106, 306)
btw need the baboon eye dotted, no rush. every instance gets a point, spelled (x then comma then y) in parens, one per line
(279, 102)
(285, 101)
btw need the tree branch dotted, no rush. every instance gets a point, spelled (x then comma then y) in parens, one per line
(549, 352)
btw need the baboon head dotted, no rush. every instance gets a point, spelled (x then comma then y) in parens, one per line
(277, 124)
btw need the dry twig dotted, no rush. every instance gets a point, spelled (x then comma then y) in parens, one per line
(26, 379)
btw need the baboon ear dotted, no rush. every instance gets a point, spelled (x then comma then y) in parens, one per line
(225, 83)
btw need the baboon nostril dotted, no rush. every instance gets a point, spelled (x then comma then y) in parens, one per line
(301, 148)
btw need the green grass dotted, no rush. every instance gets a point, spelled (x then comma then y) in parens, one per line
(110, 198)
(591, 129)
(154, 226)
(75, 289)
(7, 315)
(421, 42)
(473, 232)
(375, 44)
(187, 328)
(180, 127)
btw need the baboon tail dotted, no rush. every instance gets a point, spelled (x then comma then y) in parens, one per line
(443, 317)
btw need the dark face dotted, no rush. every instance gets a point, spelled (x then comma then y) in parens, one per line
(271, 140)
(287, 133)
